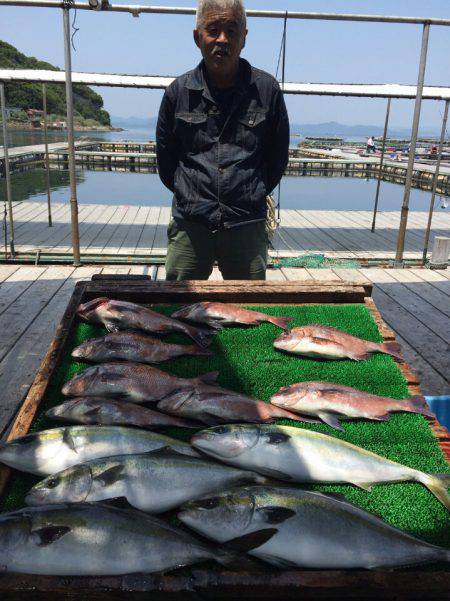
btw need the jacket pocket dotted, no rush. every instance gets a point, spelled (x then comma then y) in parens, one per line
(251, 129)
(190, 129)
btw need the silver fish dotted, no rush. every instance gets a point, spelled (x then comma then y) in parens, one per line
(301, 455)
(51, 451)
(90, 539)
(153, 482)
(330, 401)
(130, 381)
(131, 346)
(221, 406)
(313, 530)
(121, 315)
(325, 342)
(216, 315)
(108, 412)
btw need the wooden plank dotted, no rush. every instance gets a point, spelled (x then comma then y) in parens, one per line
(125, 227)
(160, 241)
(101, 241)
(323, 275)
(21, 313)
(435, 279)
(63, 237)
(417, 335)
(145, 243)
(6, 271)
(275, 275)
(410, 280)
(18, 367)
(100, 220)
(19, 281)
(420, 309)
(135, 231)
(298, 274)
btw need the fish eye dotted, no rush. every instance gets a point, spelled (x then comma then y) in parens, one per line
(222, 430)
(53, 483)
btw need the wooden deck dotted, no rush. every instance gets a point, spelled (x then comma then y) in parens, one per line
(414, 302)
(133, 231)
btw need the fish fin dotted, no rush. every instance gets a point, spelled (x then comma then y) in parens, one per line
(68, 439)
(275, 515)
(119, 502)
(392, 348)
(110, 475)
(438, 485)
(48, 535)
(367, 486)
(92, 412)
(384, 417)
(111, 326)
(331, 419)
(333, 495)
(253, 540)
(324, 341)
(360, 357)
(279, 562)
(208, 378)
(281, 322)
(215, 324)
(276, 437)
(419, 405)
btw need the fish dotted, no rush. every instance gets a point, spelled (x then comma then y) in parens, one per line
(118, 315)
(49, 451)
(154, 482)
(131, 346)
(330, 401)
(313, 529)
(109, 412)
(133, 382)
(216, 315)
(306, 456)
(325, 342)
(93, 539)
(221, 406)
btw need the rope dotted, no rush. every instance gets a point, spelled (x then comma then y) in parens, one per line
(68, 4)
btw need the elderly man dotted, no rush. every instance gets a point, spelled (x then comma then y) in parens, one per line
(222, 142)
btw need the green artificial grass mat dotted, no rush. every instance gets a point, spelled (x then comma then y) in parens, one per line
(248, 363)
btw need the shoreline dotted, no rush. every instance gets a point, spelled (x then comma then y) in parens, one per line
(26, 127)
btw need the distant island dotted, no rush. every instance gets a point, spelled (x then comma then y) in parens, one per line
(330, 128)
(24, 100)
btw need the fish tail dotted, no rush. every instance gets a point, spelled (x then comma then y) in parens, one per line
(418, 405)
(438, 485)
(392, 348)
(208, 378)
(194, 349)
(281, 322)
(199, 336)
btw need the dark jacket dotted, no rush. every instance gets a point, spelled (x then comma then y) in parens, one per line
(220, 171)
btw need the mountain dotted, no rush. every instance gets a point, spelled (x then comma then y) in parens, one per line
(87, 103)
(331, 128)
(134, 122)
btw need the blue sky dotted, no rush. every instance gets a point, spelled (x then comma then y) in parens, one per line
(317, 51)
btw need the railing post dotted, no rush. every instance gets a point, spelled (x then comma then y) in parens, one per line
(412, 148)
(7, 173)
(47, 162)
(70, 140)
(435, 182)
(380, 172)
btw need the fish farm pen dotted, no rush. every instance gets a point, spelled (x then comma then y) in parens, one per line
(259, 371)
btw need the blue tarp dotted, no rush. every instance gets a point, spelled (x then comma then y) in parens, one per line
(440, 406)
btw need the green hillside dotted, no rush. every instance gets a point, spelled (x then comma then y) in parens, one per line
(87, 103)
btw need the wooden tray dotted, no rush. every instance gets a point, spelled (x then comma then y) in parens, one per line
(411, 584)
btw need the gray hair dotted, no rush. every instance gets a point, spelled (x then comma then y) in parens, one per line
(237, 6)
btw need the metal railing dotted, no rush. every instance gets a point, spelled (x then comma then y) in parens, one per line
(136, 10)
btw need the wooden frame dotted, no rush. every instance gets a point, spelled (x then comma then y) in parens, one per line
(208, 584)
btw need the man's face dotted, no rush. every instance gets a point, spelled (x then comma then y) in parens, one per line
(220, 39)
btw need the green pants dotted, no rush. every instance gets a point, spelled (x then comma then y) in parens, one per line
(241, 252)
